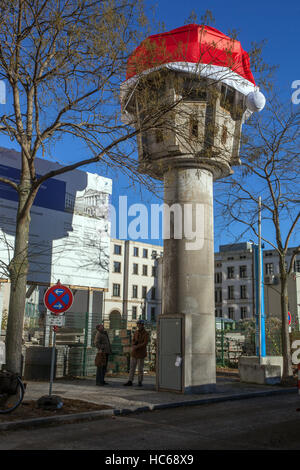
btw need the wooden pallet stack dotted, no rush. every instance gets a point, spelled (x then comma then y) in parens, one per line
(121, 346)
(62, 361)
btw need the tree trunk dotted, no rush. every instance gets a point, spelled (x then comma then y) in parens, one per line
(18, 276)
(286, 347)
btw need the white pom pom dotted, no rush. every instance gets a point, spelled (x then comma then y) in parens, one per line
(255, 101)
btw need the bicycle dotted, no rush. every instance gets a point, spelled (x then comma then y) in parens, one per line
(12, 391)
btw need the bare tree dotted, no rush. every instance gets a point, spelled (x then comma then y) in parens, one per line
(62, 61)
(270, 168)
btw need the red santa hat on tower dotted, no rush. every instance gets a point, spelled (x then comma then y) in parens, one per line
(198, 49)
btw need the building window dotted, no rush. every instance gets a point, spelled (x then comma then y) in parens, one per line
(219, 265)
(153, 314)
(230, 292)
(230, 272)
(231, 313)
(117, 249)
(154, 271)
(145, 270)
(269, 267)
(297, 266)
(135, 268)
(243, 292)
(153, 293)
(243, 271)
(116, 290)
(134, 313)
(145, 253)
(154, 254)
(117, 267)
(218, 312)
(135, 251)
(243, 313)
(134, 292)
(143, 313)
(218, 295)
(144, 292)
(218, 278)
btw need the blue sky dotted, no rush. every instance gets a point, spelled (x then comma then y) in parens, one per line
(276, 21)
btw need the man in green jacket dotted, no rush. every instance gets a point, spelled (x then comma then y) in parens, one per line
(138, 353)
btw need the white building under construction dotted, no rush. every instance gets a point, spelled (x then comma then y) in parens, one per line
(69, 241)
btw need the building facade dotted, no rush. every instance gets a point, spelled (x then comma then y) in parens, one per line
(134, 285)
(234, 287)
(234, 282)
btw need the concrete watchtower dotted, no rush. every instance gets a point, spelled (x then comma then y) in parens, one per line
(189, 91)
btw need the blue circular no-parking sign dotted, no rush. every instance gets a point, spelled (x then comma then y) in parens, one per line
(58, 298)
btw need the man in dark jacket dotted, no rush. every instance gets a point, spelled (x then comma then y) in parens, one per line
(102, 343)
(138, 353)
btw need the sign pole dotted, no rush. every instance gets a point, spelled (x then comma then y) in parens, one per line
(52, 360)
(259, 278)
(58, 299)
(259, 297)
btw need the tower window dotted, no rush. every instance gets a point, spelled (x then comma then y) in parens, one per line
(159, 137)
(193, 127)
(190, 90)
(224, 134)
(227, 98)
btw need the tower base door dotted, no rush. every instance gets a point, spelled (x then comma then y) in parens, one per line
(170, 354)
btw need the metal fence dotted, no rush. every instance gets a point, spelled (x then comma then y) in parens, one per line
(75, 343)
(237, 339)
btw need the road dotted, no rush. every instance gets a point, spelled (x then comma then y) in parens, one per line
(257, 423)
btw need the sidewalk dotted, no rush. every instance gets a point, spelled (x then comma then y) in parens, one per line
(124, 400)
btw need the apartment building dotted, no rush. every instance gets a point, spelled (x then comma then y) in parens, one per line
(234, 288)
(234, 281)
(134, 287)
(271, 264)
(272, 299)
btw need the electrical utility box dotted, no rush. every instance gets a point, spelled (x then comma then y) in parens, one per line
(170, 357)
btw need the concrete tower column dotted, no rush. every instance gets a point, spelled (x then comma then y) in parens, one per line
(188, 270)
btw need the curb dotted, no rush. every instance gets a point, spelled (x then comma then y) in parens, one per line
(206, 401)
(94, 415)
(63, 419)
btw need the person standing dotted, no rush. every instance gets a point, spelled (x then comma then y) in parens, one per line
(138, 353)
(102, 343)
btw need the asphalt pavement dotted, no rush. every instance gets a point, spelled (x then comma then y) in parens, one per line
(126, 400)
(268, 423)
